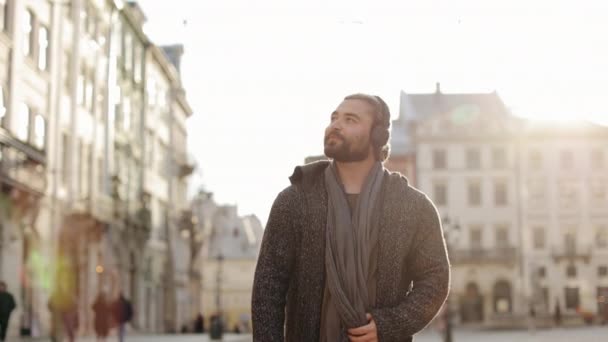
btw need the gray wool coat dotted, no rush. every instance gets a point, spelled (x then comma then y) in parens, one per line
(413, 267)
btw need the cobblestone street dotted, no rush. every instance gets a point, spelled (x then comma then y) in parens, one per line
(581, 334)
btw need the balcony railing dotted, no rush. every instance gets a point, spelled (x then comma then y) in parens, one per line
(499, 255)
(21, 165)
(571, 253)
(185, 164)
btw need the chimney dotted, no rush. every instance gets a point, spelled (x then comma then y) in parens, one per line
(438, 88)
(174, 53)
(137, 12)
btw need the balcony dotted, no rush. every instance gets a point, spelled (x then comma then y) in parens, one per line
(185, 164)
(476, 256)
(571, 253)
(21, 165)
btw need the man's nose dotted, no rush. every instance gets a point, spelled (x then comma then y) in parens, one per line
(336, 125)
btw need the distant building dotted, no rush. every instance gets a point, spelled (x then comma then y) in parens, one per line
(523, 204)
(228, 259)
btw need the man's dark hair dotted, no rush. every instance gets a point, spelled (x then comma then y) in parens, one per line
(380, 132)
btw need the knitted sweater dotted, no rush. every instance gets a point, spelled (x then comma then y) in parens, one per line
(413, 268)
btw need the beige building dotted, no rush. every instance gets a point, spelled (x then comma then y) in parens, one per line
(228, 259)
(465, 161)
(27, 109)
(512, 194)
(93, 161)
(564, 171)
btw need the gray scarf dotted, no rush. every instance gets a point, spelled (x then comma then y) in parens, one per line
(350, 254)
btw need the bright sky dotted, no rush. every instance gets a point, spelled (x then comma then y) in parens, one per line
(263, 76)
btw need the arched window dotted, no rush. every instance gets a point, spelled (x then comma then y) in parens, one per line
(502, 297)
(471, 306)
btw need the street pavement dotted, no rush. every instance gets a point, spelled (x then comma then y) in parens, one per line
(578, 334)
(574, 334)
(156, 338)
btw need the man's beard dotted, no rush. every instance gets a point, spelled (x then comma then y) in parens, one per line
(343, 152)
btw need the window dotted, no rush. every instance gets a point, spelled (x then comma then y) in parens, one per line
(43, 47)
(597, 158)
(28, 33)
(474, 193)
(439, 158)
(65, 161)
(137, 55)
(542, 272)
(536, 192)
(568, 194)
(89, 92)
(90, 22)
(570, 241)
(151, 92)
(571, 271)
(440, 196)
(80, 166)
(539, 238)
(598, 191)
(101, 96)
(39, 132)
(602, 271)
(566, 159)
(65, 73)
(22, 125)
(535, 160)
(101, 175)
(128, 52)
(69, 10)
(499, 158)
(126, 114)
(475, 237)
(502, 297)
(81, 84)
(161, 99)
(4, 15)
(502, 236)
(601, 238)
(473, 158)
(162, 160)
(545, 297)
(85, 165)
(2, 105)
(572, 298)
(500, 193)
(149, 143)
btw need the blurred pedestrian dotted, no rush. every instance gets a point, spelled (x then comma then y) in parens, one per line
(557, 314)
(368, 236)
(7, 305)
(199, 324)
(102, 309)
(63, 305)
(122, 310)
(532, 319)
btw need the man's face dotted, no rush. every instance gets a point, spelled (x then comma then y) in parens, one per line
(2, 287)
(347, 138)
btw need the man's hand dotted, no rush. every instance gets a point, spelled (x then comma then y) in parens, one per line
(366, 333)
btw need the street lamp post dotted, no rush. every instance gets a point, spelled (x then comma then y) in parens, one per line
(217, 328)
(450, 231)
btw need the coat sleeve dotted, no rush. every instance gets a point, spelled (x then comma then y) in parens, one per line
(428, 263)
(274, 267)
